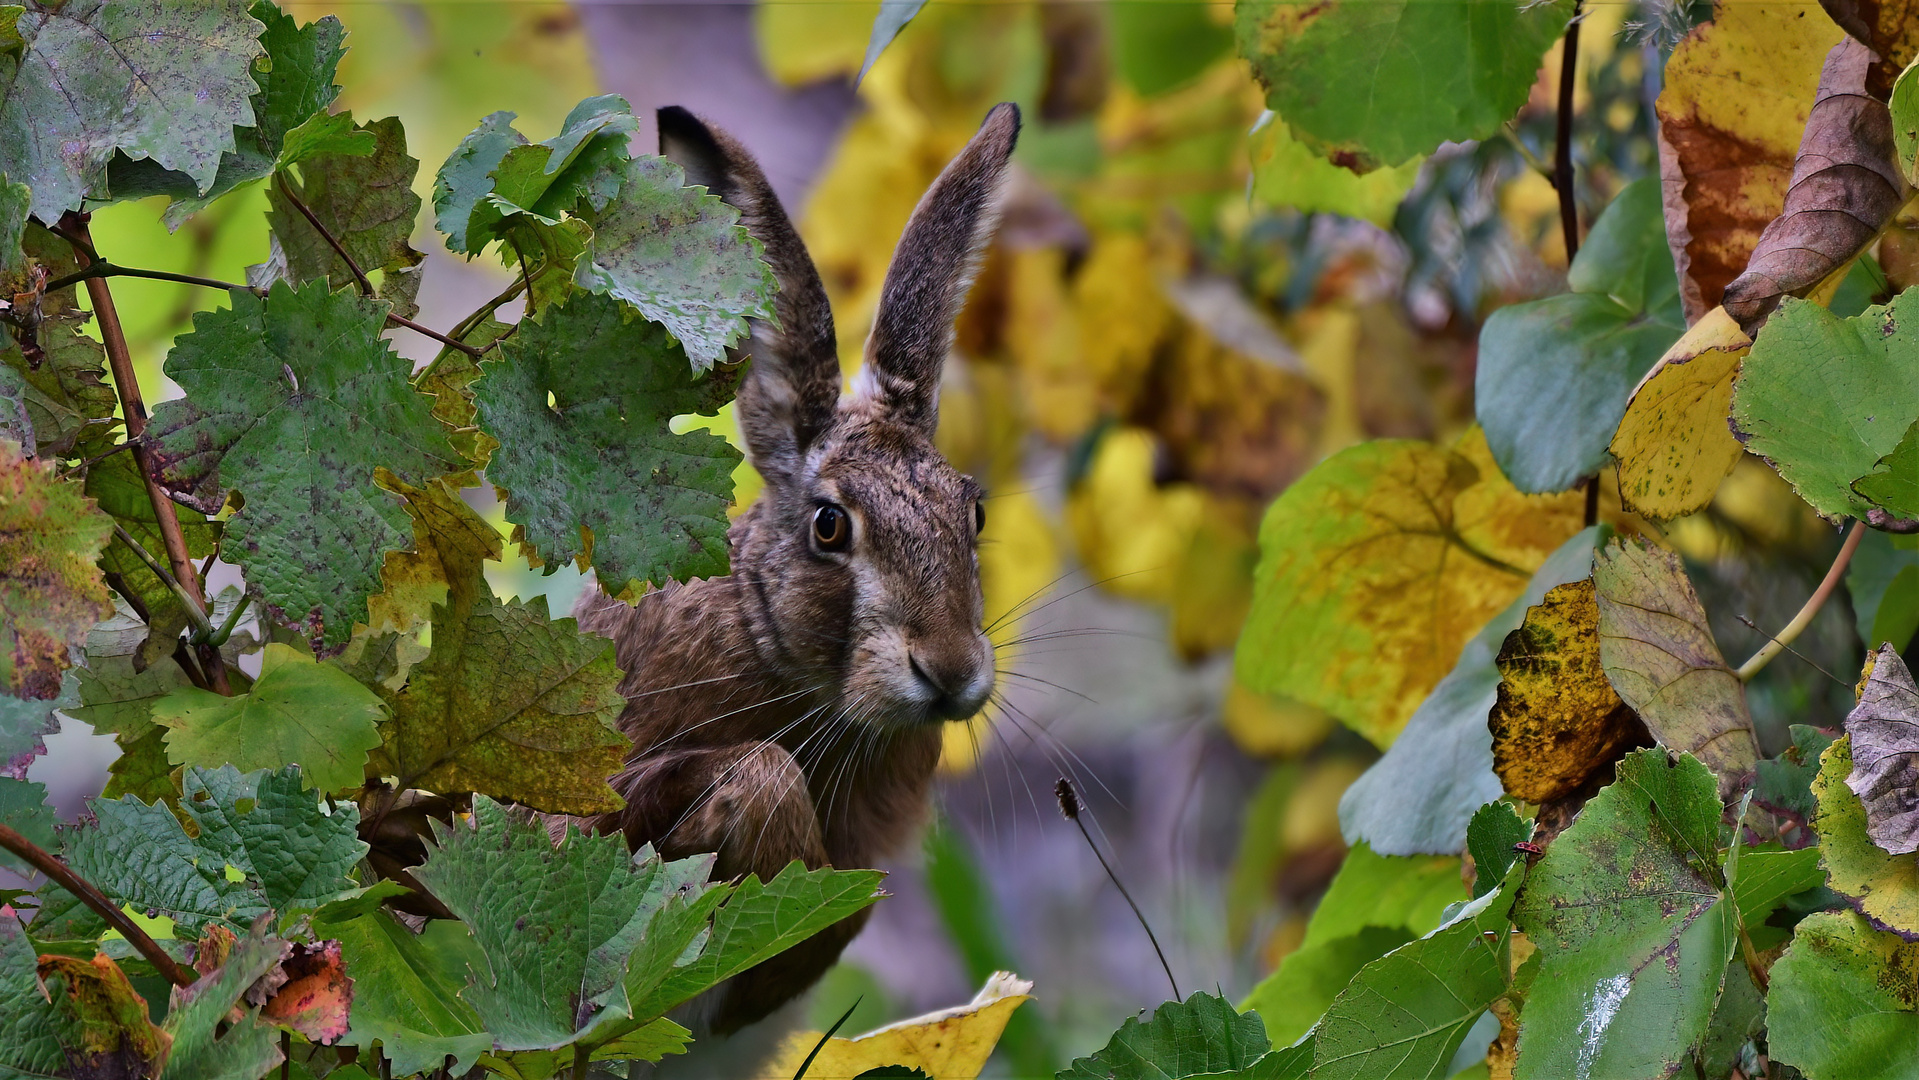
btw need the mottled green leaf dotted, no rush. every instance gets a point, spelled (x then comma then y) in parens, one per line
(466, 178)
(1660, 656)
(139, 854)
(577, 171)
(1824, 398)
(1767, 877)
(274, 829)
(366, 202)
(1883, 582)
(24, 809)
(406, 992)
(63, 1016)
(209, 1042)
(1843, 1003)
(681, 257)
(1490, 838)
(162, 81)
(1372, 84)
(1632, 925)
(67, 400)
(26, 722)
(50, 590)
(1893, 484)
(293, 401)
(581, 402)
(1554, 374)
(1199, 1036)
(142, 769)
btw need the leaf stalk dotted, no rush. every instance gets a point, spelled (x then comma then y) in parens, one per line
(1813, 603)
(38, 858)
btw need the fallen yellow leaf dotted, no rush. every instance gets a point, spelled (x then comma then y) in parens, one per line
(951, 1044)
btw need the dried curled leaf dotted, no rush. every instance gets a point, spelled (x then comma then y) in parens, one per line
(1557, 720)
(1885, 753)
(1877, 884)
(317, 993)
(1844, 189)
(1673, 446)
(1889, 27)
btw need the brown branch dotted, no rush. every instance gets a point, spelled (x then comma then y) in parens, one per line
(1563, 144)
(33, 855)
(435, 335)
(1816, 601)
(366, 285)
(134, 410)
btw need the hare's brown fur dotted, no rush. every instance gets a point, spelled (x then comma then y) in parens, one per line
(793, 709)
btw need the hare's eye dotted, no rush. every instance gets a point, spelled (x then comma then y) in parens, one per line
(832, 529)
(979, 518)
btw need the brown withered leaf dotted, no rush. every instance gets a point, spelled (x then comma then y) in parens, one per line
(1844, 188)
(317, 994)
(1737, 94)
(1557, 719)
(1660, 656)
(1885, 753)
(1890, 27)
(105, 1029)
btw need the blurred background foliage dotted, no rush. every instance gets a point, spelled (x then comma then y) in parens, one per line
(1184, 311)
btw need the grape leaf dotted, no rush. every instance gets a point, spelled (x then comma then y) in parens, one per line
(1628, 911)
(326, 133)
(366, 202)
(1822, 398)
(16, 201)
(160, 81)
(26, 722)
(555, 923)
(1490, 838)
(598, 471)
(1554, 374)
(1842, 1005)
(407, 990)
(50, 590)
(271, 827)
(1201, 1035)
(116, 485)
(451, 545)
(1660, 656)
(64, 1016)
(298, 711)
(1378, 566)
(1672, 444)
(139, 854)
(209, 1040)
(681, 257)
(1893, 484)
(24, 809)
(1371, 84)
(578, 170)
(467, 177)
(1877, 884)
(69, 405)
(293, 401)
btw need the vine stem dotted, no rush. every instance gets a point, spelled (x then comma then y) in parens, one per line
(286, 191)
(38, 858)
(1563, 142)
(1814, 602)
(134, 410)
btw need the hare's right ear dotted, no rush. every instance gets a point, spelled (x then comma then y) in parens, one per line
(789, 394)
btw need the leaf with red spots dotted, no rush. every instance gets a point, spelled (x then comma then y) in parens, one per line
(317, 995)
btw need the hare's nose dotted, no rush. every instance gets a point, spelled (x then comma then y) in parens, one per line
(955, 682)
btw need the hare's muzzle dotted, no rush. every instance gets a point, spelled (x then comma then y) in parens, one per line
(952, 677)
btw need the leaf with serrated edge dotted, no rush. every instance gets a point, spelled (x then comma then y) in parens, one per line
(209, 1041)
(64, 1016)
(1201, 1035)
(301, 449)
(601, 457)
(51, 592)
(407, 990)
(366, 202)
(681, 257)
(24, 809)
(466, 178)
(1627, 910)
(26, 722)
(139, 854)
(298, 711)
(272, 828)
(1660, 656)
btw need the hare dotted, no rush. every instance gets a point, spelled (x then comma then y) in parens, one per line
(793, 709)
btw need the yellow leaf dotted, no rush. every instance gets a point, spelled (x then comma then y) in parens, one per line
(952, 1044)
(1042, 336)
(1123, 314)
(1288, 173)
(1673, 445)
(1273, 727)
(1130, 533)
(804, 41)
(1377, 566)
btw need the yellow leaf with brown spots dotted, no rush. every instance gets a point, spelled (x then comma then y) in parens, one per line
(1737, 94)
(450, 545)
(951, 1044)
(1557, 720)
(1378, 565)
(1674, 446)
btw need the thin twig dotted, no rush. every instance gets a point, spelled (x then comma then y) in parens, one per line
(105, 269)
(1814, 602)
(58, 872)
(92, 461)
(134, 410)
(435, 335)
(366, 285)
(1563, 144)
(1754, 627)
(1069, 806)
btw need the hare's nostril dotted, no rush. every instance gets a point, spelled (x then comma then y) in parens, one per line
(920, 672)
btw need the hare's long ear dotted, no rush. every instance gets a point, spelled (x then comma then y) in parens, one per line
(932, 268)
(790, 392)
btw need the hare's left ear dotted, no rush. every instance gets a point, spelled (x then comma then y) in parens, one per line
(931, 270)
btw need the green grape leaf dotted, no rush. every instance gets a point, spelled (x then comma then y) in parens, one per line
(1419, 797)
(24, 809)
(1843, 1003)
(755, 922)
(1202, 1035)
(510, 704)
(99, 76)
(1371, 84)
(579, 170)
(142, 769)
(324, 134)
(1490, 838)
(598, 470)
(366, 202)
(1893, 484)
(63, 1016)
(293, 401)
(26, 722)
(681, 257)
(1883, 582)
(272, 828)
(51, 593)
(406, 990)
(1877, 884)
(138, 853)
(1660, 656)
(1822, 398)
(116, 485)
(209, 1042)
(67, 402)
(298, 711)
(1554, 374)
(1632, 924)
(1783, 784)
(555, 923)
(467, 177)
(1300, 990)
(451, 546)
(1407, 1013)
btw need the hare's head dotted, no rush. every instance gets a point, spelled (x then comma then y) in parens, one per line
(859, 562)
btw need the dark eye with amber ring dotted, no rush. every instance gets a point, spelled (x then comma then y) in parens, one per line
(979, 518)
(832, 528)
